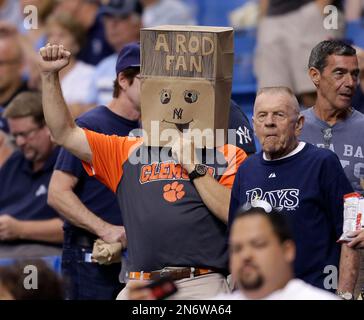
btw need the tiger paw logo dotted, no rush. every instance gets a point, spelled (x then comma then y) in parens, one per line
(173, 191)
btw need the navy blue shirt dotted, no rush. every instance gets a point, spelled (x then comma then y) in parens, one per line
(96, 47)
(239, 122)
(309, 188)
(23, 193)
(93, 194)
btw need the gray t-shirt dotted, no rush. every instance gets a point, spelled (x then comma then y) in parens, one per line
(345, 138)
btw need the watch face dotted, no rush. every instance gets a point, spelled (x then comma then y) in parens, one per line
(201, 169)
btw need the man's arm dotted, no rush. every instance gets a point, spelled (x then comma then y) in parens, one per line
(63, 199)
(58, 118)
(349, 266)
(358, 240)
(334, 185)
(214, 195)
(49, 230)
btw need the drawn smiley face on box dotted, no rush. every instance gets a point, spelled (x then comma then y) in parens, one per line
(178, 103)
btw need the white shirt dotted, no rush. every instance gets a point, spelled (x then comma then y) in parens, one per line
(76, 83)
(299, 148)
(295, 289)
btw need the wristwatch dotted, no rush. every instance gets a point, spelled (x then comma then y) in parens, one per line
(199, 171)
(345, 295)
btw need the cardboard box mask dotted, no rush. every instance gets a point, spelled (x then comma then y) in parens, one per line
(186, 82)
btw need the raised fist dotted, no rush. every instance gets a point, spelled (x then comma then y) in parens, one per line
(53, 58)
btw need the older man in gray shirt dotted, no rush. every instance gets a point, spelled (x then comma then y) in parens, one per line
(332, 122)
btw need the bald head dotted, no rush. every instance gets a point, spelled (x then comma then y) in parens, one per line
(284, 92)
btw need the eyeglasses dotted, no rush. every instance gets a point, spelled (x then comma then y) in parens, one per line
(138, 77)
(327, 136)
(25, 134)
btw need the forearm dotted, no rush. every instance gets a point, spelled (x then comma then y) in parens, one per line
(214, 195)
(43, 230)
(56, 113)
(66, 203)
(353, 9)
(349, 267)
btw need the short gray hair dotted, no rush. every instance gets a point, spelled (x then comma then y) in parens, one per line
(320, 53)
(281, 90)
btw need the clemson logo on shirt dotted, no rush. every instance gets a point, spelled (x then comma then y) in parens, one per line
(167, 170)
(173, 191)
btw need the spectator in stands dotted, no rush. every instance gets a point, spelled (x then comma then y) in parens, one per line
(122, 23)
(332, 122)
(262, 251)
(11, 83)
(85, 12)
(358, 98)
(28, 226)
(76, 77)
(354, 33)
(204, 197)
(161, 12)
(10, 12)
(49, 285)
(11, 64)
(304, 182)
(90, 208)
(284, 42)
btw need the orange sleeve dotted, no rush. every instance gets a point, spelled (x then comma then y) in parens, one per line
(234, 157)
(109, 153)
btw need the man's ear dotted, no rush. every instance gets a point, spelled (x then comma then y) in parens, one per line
(48, 132)
(253, 123)
(315, 76)
(289, 249)
(123, 82)
(299, 124)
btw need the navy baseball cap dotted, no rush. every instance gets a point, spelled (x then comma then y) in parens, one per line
(120, 8)
(129, 57)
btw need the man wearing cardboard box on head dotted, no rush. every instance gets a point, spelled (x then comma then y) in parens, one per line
(174, 193)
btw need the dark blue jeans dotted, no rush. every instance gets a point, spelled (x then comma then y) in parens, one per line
(85, 280)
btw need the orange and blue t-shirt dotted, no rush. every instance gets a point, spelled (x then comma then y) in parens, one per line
(166, 221)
